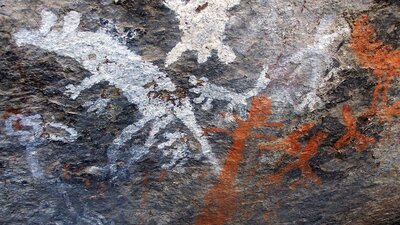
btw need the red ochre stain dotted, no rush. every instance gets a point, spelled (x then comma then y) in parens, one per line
(162, 176)
(88, 182)
(291, 145)
(220, 202)
(266, 216)
(9, 112)
(18, 124)
(66, 172)
(69, 171)
(101, 188)
(384, 61)
(145, 194)
(353, 134)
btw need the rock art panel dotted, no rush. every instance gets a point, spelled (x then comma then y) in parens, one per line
(287, 113)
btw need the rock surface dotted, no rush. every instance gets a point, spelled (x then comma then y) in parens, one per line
(199, 112)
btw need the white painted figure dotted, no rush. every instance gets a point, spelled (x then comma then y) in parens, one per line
(208, 92)
(108, 60)
(202, 23)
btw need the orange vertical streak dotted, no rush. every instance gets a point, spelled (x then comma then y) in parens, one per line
(220, 201)
(162, 176)
(266, 216)
(101, 188)
(66, 173)
(361, 141)
(145, 190)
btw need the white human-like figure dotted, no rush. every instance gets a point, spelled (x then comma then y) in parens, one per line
(108, 60)
(202, 23)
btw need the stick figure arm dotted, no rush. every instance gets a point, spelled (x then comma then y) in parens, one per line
(263, 136)
(272, 124)
(216, 130)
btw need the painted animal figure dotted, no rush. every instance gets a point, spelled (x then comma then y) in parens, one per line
(202, 23)
(220, 201)
(108, 60)
(384, 61)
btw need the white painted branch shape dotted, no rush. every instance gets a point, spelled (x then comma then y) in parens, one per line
(209, 92)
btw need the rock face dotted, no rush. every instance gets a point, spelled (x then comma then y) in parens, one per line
(204, 112)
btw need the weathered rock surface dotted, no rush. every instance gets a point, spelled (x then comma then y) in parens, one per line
(199, 112)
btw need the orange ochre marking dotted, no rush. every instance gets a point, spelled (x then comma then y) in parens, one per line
(361, 141)
(101, 186)
(266, 216)
(145, 194)
(18, 124)
(383, 60)
(66, 173)
(162, 176)
(9, 112)
(221, 200)
(292, 146)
